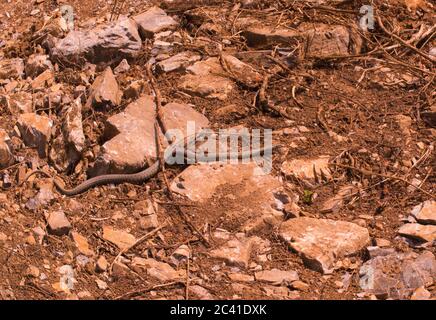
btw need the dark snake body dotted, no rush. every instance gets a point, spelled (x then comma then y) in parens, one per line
(133, 178)
(139, 177)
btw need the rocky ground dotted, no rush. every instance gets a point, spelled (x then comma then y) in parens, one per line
(348, 211)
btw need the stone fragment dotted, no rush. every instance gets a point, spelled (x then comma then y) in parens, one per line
(335, 203)
(44, 80)
(178, 63)
(209, 86)
(300, 285)
(201, 293)
(58, 223)
(6, 156)
(44, 196)
(207, 79)
(321, 241)
(276, 276)
(425, 212)
(421, 294)
(240, 277)
(242, 72)
(39, 234)
(104, 91)
(119, 270)
(326, 40)
(73, 131)
(11, 68)
(131, 140)
(120, 238)
(159, 270)
(308, 170)
(377, 251)
(153, 21)
(249, 184)
(35, 131)
(382, 242)
(215, 175)
(264, 36)
(426, 233)
(82, 244)
(101, 265)
(235, 252)
(179, 116)
(210, 66)
(134, 89)
(119, 39)
(182, 253)
(19, 102)
(320, 40)
(33, 272)
(37, 64)
(398, 275)
(101, 284)
(280, 292)
(146, 210)
(122, 67)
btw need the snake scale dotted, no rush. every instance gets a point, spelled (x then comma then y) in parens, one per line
(142, 176)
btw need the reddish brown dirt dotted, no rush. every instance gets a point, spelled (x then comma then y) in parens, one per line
(365, 109)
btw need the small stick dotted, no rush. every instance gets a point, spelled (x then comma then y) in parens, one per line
(140, 240)
(159, 286)
(160, 149)
(370, 173)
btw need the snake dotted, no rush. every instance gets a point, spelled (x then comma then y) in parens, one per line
(144, 175)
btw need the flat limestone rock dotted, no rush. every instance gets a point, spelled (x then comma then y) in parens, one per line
(179, 62)
(264, 36)
(120, 238)
(235, 252)
(425, 212)
(178, 115)
(320, 39)
(35, 131)
(208, 86)
(159, 270)
(82, 244)
(426, 233)
(326, 40)
(398, 275)
(253, 197)
(321, 241)
(243, 72)
(207, 79)
(73, 127)
(276, 276)
(130, 135)
(307, 169)
(119, 39)
(153, 21)
(214, 175)
(18, 102)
